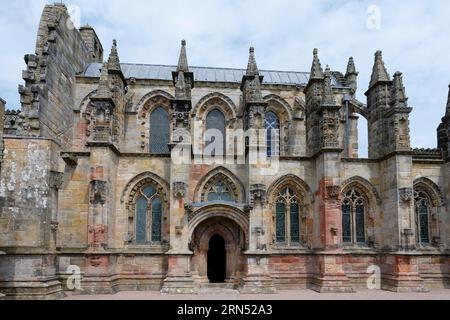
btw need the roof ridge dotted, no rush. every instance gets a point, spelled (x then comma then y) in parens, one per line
(211, 68)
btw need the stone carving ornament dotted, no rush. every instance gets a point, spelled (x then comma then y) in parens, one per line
(258, 194)
(179, 189)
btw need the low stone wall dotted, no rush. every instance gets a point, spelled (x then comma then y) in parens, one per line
(33, 276)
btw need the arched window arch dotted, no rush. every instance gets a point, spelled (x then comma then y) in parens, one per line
(287, 217)
(354, 209)
(149, 214)
(215, 139)
(422, 208)
(219, 188)
(159, 131)
(272, 127)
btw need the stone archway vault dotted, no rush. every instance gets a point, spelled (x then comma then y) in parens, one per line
(235, 244)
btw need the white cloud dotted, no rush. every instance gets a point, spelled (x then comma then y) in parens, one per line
(413, 37)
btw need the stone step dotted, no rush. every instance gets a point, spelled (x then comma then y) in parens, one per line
(218, 288)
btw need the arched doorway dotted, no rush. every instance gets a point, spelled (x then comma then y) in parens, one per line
(217, 259)
(218, 244)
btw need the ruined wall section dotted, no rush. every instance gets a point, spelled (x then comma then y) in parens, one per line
(28, 172)
(47, 97)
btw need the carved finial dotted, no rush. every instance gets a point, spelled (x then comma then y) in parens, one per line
(183, 65)
(351, 76)
(351, 69)
(114, 61)
(180, 87)
(379, 72)
(398, 96)
(328, 97)
(257, 94)
(447, 112)
(103, 91)
(252, 68)
(316, 69)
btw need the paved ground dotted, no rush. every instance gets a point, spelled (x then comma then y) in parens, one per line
(282, 295)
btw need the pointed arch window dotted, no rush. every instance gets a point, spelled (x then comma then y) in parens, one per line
(159, 131)
(220, 192)
(422, 210)
(354, 208)
(149, 214)
(272, 127)
(215, 132)
(287, 218)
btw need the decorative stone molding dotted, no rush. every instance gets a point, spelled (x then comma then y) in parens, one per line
(179, 230)
(55, 180)
(179, 189)
(365, 186)
(258, 194)
(97, 194)
(258, 231)
(432, 189)
(234, 185)
(69, 159)
(333, 192)
(217, 99)
(188, 209)
(287, 109)
(54, 225)
(293, 181)
(132, 188)
(406, 194)
(329, 133)
(154, 97)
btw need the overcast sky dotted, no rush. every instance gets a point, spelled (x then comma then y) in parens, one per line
(413, 35)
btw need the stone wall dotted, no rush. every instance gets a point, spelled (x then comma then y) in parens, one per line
(48, 95)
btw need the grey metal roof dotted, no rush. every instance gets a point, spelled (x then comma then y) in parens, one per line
(206, 74)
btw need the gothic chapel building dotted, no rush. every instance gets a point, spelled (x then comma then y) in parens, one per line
(106, 170)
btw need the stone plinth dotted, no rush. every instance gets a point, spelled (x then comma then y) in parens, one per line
(257, 278)
(179, 278)
(401, 274)
(330, 276)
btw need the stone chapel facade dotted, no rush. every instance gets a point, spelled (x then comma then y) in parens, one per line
(104, 169)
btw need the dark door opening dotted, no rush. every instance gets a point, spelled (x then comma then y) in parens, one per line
(217, 260)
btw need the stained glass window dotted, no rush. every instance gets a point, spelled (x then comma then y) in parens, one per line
(287, 217)
(141, 220)
(353, 218)
(422, 216)
(295, 223)
(346, 223)
(148, 217)
(159, 131)
(359, 222)
(215, 132)
(156, 220)
(280, 222)
(149, 191)
(272, 134)
(220, 192)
